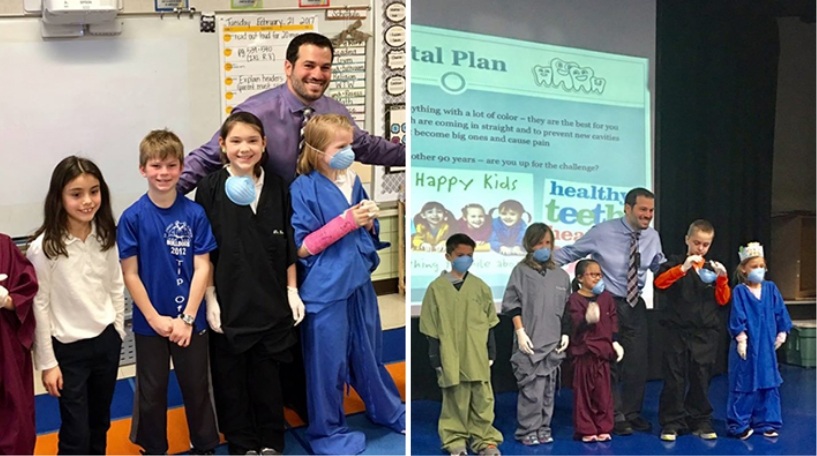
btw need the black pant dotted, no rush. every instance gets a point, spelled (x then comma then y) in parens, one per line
(149, 425)
(688, 357)
(88, 369)
(293, 380)
(248, 396)
(630, 375)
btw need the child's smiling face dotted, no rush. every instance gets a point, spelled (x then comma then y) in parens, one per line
(475, 217)
(591, 276)
(433, 215)
(509, 216)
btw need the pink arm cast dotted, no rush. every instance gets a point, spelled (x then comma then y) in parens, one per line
(317, 241)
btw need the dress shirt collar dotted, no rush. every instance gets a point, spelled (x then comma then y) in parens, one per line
(70, 238)
(294, 104)
(629, 229)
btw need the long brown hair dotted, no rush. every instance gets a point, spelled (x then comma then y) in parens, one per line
(55, 223)
(535, 233)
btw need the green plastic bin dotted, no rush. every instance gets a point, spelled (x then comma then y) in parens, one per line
(800, 344)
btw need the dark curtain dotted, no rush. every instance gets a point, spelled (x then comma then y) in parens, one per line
(716, 79)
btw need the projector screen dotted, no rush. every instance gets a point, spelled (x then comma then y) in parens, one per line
(505, 132)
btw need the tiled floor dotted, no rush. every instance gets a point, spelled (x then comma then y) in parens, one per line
(392, 311)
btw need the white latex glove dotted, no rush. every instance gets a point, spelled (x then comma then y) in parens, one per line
(370, 206)
(692, 259)
(563, 343)
(525, 345)
(719, 268)
(593, 313)
(213, 310)
(296, 305)
(619, 351)
(741, 339)
(4, 297)
(780, 340)
(490, 362)
(3, 291)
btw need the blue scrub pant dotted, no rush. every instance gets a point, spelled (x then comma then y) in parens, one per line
(342, 344)
(759, 409)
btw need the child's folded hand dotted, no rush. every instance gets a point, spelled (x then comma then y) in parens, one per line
(593, 314)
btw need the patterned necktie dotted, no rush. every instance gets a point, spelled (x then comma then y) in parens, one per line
(307, 115)
(632, 270)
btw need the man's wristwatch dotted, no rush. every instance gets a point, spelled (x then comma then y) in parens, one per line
(187, 319)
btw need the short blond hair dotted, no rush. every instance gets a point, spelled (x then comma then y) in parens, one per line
(318, 133)
(704, 226)
(161, 144)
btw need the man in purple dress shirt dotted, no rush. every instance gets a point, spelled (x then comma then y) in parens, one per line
(308, 69)
(609, 244)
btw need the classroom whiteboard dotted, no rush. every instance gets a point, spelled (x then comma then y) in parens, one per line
(98, 97)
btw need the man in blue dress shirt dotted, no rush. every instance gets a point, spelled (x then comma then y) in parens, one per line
(609, 243)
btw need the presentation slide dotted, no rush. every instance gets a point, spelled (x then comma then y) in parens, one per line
(507, 132)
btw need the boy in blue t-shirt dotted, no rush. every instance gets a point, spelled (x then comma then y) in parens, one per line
(164, 243)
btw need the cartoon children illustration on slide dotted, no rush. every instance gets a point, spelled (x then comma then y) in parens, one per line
(509, 228)
(432, 227)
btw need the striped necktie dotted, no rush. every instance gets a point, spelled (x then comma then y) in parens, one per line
(632, 270)
(307, 115)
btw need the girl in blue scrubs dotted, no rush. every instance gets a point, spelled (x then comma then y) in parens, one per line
(336, 233)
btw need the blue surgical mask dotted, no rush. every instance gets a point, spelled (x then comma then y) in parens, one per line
(756, 275)
(541, 255)
(342, 159)
(462, 263)
(598, 287)
(240, 190)
(707, 275)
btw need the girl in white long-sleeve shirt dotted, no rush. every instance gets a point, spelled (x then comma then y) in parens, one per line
(80, 305)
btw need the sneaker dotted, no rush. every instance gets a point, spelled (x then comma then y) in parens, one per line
(640, 424)
(269, 451)
(545, 435)
(771, 433)
(622, 428)
(589, 438)
(604, 437)
(460, 451)
(530, 439)
(746, 434)
(490, 450)
(669, 435)
(705, 432)
(202, 452)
